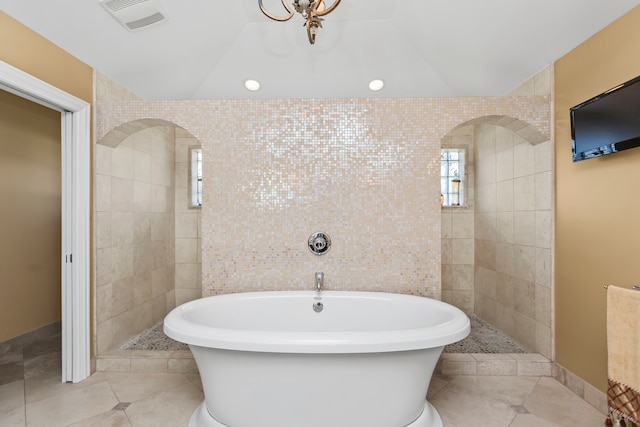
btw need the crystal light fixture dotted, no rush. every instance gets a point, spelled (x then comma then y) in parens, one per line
(311, 11)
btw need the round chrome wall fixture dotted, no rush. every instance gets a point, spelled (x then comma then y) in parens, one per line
(319, 243)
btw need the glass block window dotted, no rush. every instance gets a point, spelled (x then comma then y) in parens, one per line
(195, 173)
(452, 176)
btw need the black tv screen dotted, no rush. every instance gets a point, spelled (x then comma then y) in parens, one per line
(607, 123)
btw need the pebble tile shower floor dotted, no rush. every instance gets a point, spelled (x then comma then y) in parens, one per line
(154, 339)
(483, 339)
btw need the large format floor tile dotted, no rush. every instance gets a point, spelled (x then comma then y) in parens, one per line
(551, 401)
(171, 407)
(65, 408)
(135, 386)
(487, 401)
(12, 407)
(113, 418)
(37, 398)
(507, 401)
(168, 400)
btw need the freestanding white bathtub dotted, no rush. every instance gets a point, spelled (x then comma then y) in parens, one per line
(269, 359)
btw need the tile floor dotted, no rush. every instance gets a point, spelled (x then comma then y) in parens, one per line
(168, 399)
(31, 394)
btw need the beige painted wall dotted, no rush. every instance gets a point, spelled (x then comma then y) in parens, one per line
(30, 213)
(39, 57)
(597, 203)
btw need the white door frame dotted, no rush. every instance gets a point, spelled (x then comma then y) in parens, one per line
(76, 162)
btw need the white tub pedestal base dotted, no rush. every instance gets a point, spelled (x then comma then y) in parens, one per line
(428, 418)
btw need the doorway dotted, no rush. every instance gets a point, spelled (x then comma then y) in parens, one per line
(75, 259)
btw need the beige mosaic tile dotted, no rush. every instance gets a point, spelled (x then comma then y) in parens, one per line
(365, 171)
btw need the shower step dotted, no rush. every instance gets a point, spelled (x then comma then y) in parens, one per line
(480, 364)
(147, 361)
(484, 364)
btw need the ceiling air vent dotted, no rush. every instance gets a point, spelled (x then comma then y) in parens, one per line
(135, 14)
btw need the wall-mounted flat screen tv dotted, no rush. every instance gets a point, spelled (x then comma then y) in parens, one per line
(607, 123)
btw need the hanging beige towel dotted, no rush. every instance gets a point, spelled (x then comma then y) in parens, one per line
(623, 347)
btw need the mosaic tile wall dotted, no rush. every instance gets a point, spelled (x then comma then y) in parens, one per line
(364, 171)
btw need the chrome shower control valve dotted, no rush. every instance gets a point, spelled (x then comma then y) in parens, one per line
(319, 243)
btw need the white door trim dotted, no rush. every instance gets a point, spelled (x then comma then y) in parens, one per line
(76, 162)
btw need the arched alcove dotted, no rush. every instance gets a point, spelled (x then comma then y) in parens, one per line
(118, 134)
(496, 250)
(147, 235)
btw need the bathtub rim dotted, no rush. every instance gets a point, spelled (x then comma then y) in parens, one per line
(178, 328)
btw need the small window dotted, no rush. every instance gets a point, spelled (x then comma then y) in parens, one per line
(452, 176)
(195, 173)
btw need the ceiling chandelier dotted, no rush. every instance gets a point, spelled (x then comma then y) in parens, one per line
(311, 11)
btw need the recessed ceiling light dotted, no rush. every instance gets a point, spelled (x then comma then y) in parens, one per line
(252, 85)
(376, 84)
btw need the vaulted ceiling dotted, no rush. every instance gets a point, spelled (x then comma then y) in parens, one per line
(420, 48)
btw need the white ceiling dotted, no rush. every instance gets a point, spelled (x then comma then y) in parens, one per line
(420, 48)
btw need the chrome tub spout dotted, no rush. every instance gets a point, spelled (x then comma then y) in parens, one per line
(319, 280)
